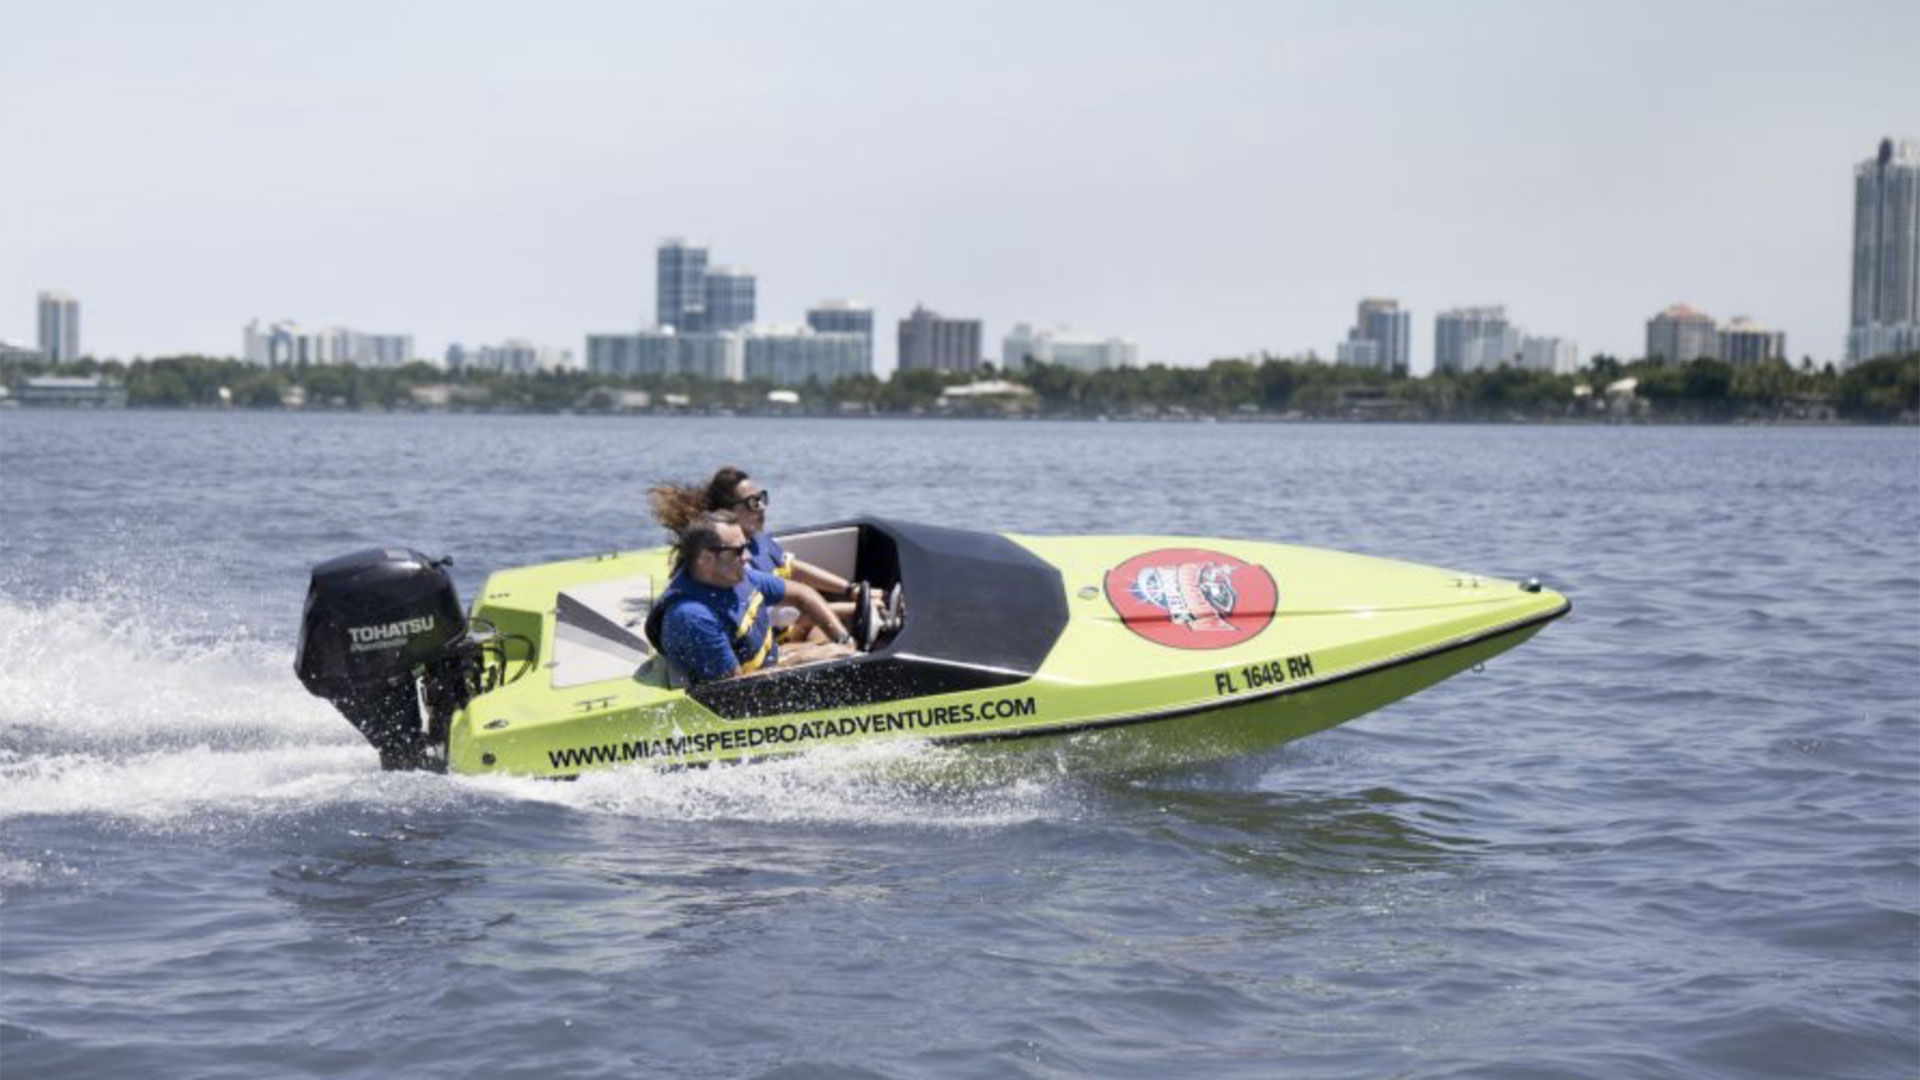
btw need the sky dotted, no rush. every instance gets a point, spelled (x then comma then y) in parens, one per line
(1205, 178)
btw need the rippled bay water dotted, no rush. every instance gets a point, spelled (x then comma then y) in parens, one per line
(1676, 835)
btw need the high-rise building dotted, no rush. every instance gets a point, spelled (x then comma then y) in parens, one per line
(1474, 339)
(288, 343)
(371, 350)
(794, 356)
(929, 341)
(1357, 352)
(1083, 352)
(680, 285)
(1886, 252)
(614, 354)
(707, 326)
(1743, 341)
(514, 356)
(717, 357)
(1380, 337)
(729, 299)
(1681, 334)
(59, 327)
(841, 317)
(845, 317)
(1558, 356)
(714, 357)
(280, 344)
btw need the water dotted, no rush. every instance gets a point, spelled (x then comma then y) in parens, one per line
(1676, 835)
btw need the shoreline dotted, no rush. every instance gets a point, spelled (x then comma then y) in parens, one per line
(1881, 391)
(992, 417)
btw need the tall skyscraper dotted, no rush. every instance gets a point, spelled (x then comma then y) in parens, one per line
(1380, 337)
(729, 299)
(59, 327)
(929, 341)
(1886, 252)
(1682, 334)
(680, 285)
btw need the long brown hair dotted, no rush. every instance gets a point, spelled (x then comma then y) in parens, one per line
(726, 480)
(678, 506)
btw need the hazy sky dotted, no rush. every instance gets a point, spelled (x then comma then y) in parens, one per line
(1206, 178)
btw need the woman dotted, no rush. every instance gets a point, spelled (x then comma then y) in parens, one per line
(677, 506)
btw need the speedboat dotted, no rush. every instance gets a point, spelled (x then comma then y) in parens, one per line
(1161, 648)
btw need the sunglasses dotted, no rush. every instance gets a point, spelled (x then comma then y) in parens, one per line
(755, 501)
(735, 550)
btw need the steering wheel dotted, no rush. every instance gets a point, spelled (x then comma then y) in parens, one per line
(864, 630)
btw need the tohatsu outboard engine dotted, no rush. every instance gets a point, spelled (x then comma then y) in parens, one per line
(384, 640)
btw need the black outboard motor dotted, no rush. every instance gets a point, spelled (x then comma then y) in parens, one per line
(383, 632)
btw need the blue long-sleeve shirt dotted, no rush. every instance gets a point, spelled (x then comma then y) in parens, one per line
(713, 631)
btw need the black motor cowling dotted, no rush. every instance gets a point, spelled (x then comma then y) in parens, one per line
(382, 630)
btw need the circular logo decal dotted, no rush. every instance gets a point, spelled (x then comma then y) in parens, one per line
(1191, 598)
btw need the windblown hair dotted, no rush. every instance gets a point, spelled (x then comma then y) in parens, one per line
(678, 506)
(720, 489)
(700, 533)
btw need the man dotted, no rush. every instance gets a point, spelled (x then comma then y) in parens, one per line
(717, 620)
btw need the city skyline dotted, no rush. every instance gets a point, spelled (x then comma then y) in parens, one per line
(1207, 187)
(1470, 338)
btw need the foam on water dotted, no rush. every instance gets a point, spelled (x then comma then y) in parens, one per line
(110, 711)
(108, 708)
(882, 784)
(115, 670)
(16, 873)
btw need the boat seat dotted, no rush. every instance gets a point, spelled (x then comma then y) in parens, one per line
(661, 671)
(670, 672)
(835, 550)
(598, 630)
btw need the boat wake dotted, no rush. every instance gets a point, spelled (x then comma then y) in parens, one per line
(114, 711)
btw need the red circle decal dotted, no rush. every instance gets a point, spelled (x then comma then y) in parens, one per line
(1192, 598)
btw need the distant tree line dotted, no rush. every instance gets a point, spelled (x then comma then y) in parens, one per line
(1701, 390)
(1883, 390)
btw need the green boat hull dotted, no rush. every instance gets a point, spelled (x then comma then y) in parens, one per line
(1123, 651)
